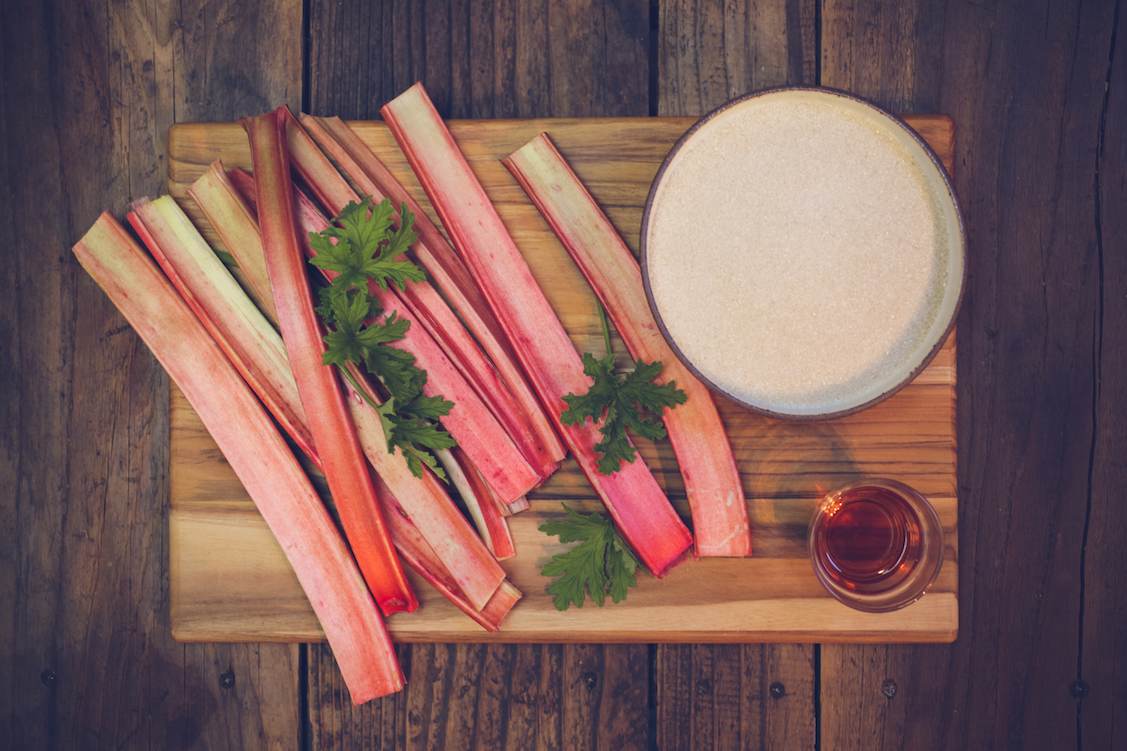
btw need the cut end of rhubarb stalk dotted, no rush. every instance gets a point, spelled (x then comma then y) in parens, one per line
(712, 481)
(426, 558)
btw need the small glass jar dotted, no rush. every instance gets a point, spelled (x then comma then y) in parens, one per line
(876, 544)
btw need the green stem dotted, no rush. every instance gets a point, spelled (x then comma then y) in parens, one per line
(363, 393)
(606, 328)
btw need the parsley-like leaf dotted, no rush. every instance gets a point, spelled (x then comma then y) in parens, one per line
(363, 247)
(427, 407)
(601, 564)
(416, 436)
(627, 402)
(397, 371)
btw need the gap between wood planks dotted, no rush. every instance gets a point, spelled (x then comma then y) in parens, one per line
(1079, 687)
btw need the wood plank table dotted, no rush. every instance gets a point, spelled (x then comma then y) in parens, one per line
(1039, 92)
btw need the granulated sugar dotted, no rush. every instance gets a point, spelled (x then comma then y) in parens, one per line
(798, 252)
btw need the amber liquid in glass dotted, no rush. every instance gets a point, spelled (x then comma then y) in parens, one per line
(870, 541)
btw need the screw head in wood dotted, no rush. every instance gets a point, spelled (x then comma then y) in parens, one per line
(48, 678)
(888, 688)
(778, 690)
(227, 679)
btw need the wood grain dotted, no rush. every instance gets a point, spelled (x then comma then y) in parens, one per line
(498, 58)
(487, 697)
(86, 655)
(708, 53)
(230, 581)
(1033, 432)
(1102, 679)
(735, 696)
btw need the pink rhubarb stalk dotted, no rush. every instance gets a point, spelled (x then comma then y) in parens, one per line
(470, 422)
(256, 452)
(457, 552)
(712, 482)
(503, 387)
(424, 499)
(632, 495)
(333, 431)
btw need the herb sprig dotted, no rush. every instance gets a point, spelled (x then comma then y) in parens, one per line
(601, 564)
(363, 246)
(628, 401)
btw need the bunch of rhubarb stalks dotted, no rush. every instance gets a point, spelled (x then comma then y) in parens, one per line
(242, 339)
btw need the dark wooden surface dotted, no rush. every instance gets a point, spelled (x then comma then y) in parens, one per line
(1039, 93)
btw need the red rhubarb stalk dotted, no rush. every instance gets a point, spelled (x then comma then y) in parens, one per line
(256, 452)
(712, 482)
(502, 387)
(470, 422)
(333, 431)
(456, 548)
(470, 564)
(632, 495)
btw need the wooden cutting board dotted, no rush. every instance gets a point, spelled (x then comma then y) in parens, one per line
(230, 581)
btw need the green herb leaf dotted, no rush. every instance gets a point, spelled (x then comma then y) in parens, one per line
(601, 564)
(396, 370)
(362, 245)
(427, 407)
(628, 402)
(415, 435)
(361, 248)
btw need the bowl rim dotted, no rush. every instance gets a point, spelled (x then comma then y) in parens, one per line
(961, 244)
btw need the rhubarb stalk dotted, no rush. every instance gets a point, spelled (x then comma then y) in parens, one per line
(235, 323)
(232, 221)
(461, 557)
(632, 495)
(256, 452)
(470, 422)
(333, 431)
(712, 482)
(499, 383)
